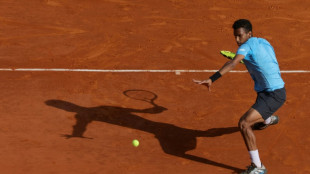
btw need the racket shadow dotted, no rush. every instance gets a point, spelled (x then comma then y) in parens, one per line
(174, 140)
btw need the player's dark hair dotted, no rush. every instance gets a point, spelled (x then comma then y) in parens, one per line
(243, 23)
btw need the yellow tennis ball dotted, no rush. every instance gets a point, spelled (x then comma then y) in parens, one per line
(135, 143)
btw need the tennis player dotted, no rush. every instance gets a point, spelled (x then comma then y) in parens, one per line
(260, 60)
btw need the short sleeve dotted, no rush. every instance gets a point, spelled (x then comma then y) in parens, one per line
(244, 49)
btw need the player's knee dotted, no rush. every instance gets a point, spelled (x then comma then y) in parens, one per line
(243, 124)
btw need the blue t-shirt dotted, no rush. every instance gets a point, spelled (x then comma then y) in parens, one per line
(262, 64)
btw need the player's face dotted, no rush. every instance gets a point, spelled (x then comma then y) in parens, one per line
(242, 36)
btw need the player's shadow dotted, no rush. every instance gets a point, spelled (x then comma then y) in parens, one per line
(174, 140)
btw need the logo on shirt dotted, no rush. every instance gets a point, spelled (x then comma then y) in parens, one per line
(242, 49)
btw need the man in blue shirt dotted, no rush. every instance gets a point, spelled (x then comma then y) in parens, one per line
(260, 60)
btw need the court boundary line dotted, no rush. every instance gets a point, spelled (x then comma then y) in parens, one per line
(130, 70)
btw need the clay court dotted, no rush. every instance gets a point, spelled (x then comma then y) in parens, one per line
(58, 117)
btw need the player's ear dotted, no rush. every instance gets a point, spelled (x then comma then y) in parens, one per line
(250, 33)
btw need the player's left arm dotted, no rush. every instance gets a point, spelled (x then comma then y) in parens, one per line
(230, 65)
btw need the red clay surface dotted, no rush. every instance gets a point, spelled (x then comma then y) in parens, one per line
(196, 134)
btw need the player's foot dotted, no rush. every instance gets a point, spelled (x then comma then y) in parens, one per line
(262, 125)
(253, 169)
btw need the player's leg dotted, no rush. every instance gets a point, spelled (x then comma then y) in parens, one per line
(267, 103)
(272, 120)
(245, 124)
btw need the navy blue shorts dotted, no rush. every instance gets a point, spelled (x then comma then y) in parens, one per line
(268, 103)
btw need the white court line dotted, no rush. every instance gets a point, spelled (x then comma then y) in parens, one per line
(130, 70)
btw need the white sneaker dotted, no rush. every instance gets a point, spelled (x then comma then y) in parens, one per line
(261, 125)
(253, 169)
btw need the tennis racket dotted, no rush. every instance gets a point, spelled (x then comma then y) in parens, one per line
(229, 55)
(142, 95)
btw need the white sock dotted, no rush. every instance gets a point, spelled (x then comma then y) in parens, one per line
(268, 120)
(255, 158)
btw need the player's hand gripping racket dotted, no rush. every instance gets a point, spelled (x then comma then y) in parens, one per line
(142, 95)
(229, 55)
